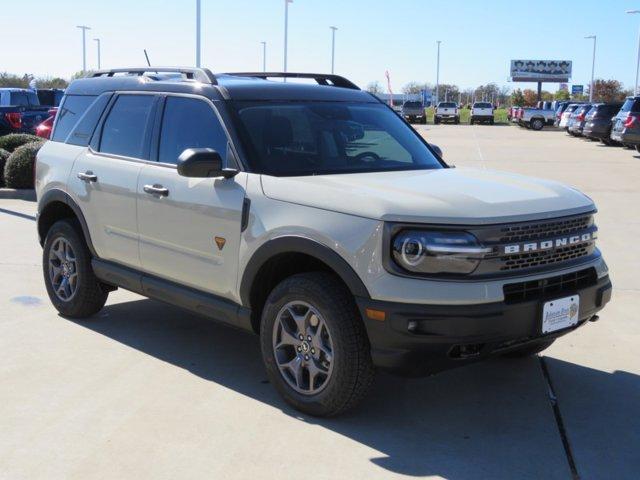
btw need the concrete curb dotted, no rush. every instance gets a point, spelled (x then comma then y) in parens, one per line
(18, 194)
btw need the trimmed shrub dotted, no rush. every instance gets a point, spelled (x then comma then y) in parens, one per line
(14, 140)
(18, 170)
(3, 158)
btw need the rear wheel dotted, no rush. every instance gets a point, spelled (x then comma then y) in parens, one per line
(71, 284)
(436, 120)
(530, 349)
(536, 124)
(471, 121)
(314, 345)
(491, 121)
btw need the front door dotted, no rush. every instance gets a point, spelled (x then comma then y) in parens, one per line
(190, 227)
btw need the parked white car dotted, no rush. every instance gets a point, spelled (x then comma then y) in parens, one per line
(447, 111)
(481, 112)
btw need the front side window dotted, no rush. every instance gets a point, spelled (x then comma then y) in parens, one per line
(124, 129)
(319, 138)
(189, 123)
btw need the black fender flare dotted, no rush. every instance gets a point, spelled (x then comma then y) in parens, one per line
(305, 246)
(56, 195)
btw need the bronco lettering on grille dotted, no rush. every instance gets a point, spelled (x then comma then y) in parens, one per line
(549, 244)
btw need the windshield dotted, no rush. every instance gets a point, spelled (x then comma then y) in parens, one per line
(319, 138)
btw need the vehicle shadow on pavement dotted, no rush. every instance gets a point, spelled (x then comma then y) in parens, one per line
(489, 420)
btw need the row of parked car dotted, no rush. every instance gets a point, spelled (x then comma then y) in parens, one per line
(613, 123)
(481, 112)
(28, 111)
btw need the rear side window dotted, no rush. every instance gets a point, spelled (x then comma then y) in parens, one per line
(189, 123)
(84, 128)
(72, 108)
(124, 130)
(631, 105)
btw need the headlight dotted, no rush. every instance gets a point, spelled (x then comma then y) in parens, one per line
(432, 252)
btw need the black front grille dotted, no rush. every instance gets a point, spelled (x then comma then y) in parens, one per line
(550, 287)
(539, 259)
(543, 230)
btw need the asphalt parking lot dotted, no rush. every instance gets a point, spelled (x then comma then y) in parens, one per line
(144, 390)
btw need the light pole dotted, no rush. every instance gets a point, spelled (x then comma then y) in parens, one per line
(635, 91)
(333, 47)
(593, 65)
(198, 33)
(97, 40)
(264, 56)
(438, 73)
(84, 29)
(286, 31)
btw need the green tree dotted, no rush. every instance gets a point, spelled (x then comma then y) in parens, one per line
(416, 87)
(562, 95)
(517, 97)
(55, 82)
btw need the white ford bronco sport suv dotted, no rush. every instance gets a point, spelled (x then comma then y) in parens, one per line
(312, 215)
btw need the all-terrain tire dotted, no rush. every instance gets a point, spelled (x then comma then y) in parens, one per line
(353, 370)
(89, 295)
(536, 124)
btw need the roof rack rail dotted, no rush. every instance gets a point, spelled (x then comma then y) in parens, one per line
(320, 78)
(203, 75)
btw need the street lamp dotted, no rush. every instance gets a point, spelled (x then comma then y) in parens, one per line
(198, 33)
(84, 29)
(635, 91)
(438, 73)
(286, 31)
(593, 65)
(97, 40)
(264, 56)
(333, 47)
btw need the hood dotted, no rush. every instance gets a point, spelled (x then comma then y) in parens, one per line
(450, 196)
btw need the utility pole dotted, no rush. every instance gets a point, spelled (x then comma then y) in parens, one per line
(97, 40)
(635, 91)
(438, 73)
(84, 29)
(198, 33)
(264, 56)
(333, 47)
(286, 31)
(593, 66)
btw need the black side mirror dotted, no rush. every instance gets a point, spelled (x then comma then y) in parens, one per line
(203, 163)
(437, 149)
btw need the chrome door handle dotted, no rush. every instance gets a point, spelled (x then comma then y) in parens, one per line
(88, 176)
(156, 190)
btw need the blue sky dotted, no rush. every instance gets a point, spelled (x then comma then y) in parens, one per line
(478, 37)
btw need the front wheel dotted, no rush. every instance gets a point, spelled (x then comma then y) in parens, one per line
(71, 284)
(314, 345)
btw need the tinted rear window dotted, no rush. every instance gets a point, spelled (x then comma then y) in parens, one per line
(412, 104)
(124, 129)
(631, 105)
(447, 105)
(482, 105)
(23, 99)
(72, 108)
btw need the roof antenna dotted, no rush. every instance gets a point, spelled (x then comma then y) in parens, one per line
(147, 57)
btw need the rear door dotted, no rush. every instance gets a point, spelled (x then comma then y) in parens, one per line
(104, 179)
(190, 233)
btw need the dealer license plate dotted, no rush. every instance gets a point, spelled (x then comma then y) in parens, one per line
(560, 313)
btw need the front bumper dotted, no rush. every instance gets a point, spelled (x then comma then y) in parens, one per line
(425, 339)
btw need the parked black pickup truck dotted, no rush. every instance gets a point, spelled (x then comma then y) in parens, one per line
(20, 111)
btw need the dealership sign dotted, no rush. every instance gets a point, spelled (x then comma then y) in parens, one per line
(540, 70)
(577, 89)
